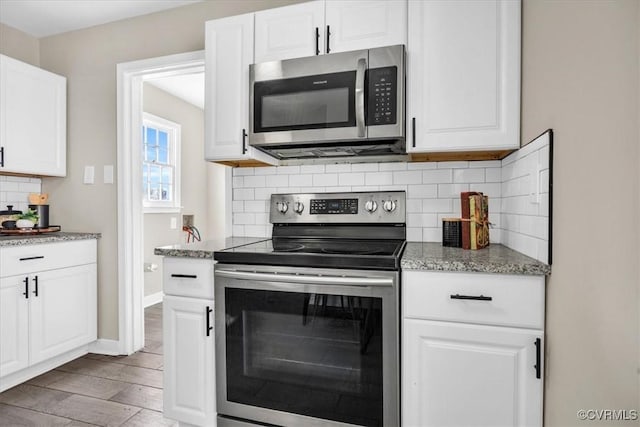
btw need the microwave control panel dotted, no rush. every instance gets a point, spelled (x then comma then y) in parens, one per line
(382, 96)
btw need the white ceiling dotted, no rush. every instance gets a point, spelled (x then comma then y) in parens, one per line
(188, 87)
(42, 18)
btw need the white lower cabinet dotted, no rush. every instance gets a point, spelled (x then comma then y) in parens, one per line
(48, 311)
(189, 349)
(470, 372)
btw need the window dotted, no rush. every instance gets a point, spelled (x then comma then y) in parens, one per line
(160, 164)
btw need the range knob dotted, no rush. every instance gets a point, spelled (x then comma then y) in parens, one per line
(298, 207)
(389, 205)
(371, 206)
(282, 207)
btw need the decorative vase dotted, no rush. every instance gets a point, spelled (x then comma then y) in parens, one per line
(24, 223)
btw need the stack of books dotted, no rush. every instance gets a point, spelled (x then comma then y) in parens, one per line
(475, 220)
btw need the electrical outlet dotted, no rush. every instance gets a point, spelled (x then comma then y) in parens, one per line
(107, 174)
(89, 174)
(187, 220)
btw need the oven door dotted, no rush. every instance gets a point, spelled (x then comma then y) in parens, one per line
(302, 346)
(308, 100)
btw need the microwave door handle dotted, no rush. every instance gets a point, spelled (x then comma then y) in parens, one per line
(360, 72)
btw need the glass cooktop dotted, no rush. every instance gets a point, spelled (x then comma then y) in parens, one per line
(317, 252)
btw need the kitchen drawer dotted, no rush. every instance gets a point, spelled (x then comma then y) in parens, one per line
(515, 300)
(188, 277)
(49, 256)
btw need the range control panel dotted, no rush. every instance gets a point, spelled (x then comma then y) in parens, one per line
(333, 206)
(382, 96)
(365, 207)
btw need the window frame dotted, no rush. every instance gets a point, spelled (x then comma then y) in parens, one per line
(173, 131)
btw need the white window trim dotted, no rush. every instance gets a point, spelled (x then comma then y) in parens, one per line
(175, 130)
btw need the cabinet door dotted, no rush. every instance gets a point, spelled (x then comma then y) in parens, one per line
(358, 24)
(14, 326)
(463, 78)
(63, 312)
(229, 51)
(32, 119)
(469, 375)
(290, 32)
(189, 360)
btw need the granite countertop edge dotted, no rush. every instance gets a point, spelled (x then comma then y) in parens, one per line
(497, 259)
(37, 239)
(205, 249)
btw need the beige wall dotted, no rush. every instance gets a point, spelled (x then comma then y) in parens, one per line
(19, 45)
(581, 78)
(195, 181)
(88, 59)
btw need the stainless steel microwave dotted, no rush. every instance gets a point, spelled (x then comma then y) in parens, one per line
(339, 105)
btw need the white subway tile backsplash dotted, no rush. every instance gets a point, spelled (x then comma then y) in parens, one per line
(287, 170)
(15, 190)
(437, 205)
(254, 181)
(433, 192)
(312, 169)
(338, 168)
(407, 177)
(364, 167)
(356, 178)
(468, 175)
(379, 178)
(451, 190)
(277, 180)
(397, 166)
(422, 191)
(320, 180)
(437, 176)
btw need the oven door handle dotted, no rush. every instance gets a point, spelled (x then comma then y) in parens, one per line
(306, 279)
(360, 81)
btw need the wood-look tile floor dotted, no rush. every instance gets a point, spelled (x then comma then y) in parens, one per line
(95, 390)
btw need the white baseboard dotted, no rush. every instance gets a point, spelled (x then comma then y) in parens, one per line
(108, 347)
(153, 299)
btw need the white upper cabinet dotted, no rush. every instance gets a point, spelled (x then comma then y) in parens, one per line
(229, 51)
(463, 75)
(290, 32)
(364, 24)
(33, 119)
(320, 27)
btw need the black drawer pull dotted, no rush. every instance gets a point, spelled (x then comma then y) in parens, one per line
(538, 365)
(209, 327)
(317, 41)
(26, 287)
(35, 281)
(471, 297)
(185, 276)
(31, 258)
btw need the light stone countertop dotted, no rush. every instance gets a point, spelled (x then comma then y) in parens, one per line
(492, 259)
(205, 249)
(36, 239)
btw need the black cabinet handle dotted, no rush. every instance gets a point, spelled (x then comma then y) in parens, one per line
(209, 327)
(327, 38)
(413, 131)
(244, 141)
(35, 281)
(1, 157)
(471, 297)
(317, 41)
(185, 276)
(32, 258)
(26, 287)
(538, 365)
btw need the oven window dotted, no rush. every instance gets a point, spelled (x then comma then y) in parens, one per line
(309, 354)
(313, 102)
(305, 108)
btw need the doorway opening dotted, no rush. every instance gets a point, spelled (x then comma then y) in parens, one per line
(153, 76)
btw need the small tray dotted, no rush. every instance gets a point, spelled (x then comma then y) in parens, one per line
(28, 231)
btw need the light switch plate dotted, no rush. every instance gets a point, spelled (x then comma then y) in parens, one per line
(89, 174)
(173, 223)
(108, 174)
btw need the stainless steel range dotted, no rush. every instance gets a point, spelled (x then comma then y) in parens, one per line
(307, 323)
